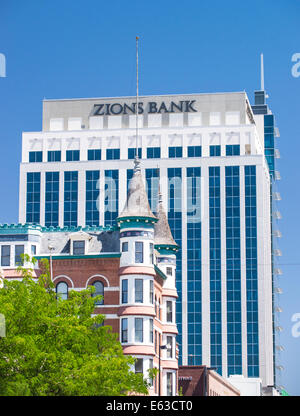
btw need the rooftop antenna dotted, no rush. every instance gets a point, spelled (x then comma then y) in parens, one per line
(136, 162)
(262, 80)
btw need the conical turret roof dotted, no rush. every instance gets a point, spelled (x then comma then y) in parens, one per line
(137, 204)
(162, 232)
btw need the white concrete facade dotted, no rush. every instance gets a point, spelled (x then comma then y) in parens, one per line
(219, 119)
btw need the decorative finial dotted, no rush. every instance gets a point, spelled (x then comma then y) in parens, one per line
(137, 164)
(160, 200)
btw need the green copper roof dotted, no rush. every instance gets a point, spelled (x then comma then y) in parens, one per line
(24, 228)
(167, 248)
(87, 256)
(136, 222)
(158, 271)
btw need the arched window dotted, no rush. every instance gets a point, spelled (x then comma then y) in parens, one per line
(62, 290)
(99, 291)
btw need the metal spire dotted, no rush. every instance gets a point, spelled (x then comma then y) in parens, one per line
(137, 99)
(262, 75)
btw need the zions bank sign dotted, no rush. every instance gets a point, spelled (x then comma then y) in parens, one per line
(151, 107)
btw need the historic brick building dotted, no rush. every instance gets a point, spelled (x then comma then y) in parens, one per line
(132, 265)
(199, 380)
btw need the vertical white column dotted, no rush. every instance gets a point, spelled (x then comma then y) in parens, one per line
(242, 141)
(261, 269)
(205, 142)
(223, 143)
(123, 188)
(45, 150)
(81, 198)
(205, 295)
(243, 271)
(184, 145)
(223, 271)
(124, 148)
(63, 148)
(61, 198)
(42, 197)
(101, 196)
(268, 373)
(164, 142)
(83, 146)
(164, 187)
(22, 195)
(265, 328)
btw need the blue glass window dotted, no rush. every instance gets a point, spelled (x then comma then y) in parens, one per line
(139, 252)
(124, 330)
(54, 155)
(129, 176)
(94, 154)
(251, 272)
(52, 199)
(73, 155)
(269, 141)
(194, 273)
(99, 291)
(153, 152)
(62, 290)
(5, 255)
(111, 197)
(233, 270)
(35, 157)
(151, 292)
(70, 198)
(215, 268)
(139, 330)
(132, 153)
(125, 291)
(232, 150)
(194, 151)
(152, 186)
(175, 151)
(215, 150)
(78, 248)
(112, 154)
(19, 252)
(92, 197)
(175, 222)
(33, 197)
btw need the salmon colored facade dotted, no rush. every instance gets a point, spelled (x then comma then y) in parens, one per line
(132, 266)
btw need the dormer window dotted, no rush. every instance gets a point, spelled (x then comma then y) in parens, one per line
(78, 248)
(79, 243)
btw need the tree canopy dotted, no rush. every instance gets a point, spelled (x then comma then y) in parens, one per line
(56, 347)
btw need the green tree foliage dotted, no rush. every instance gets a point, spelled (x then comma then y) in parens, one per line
(55, 347)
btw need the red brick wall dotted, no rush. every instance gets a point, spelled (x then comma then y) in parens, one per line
(80, 270)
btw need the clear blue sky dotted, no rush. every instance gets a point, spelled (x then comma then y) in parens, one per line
(69, 49)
